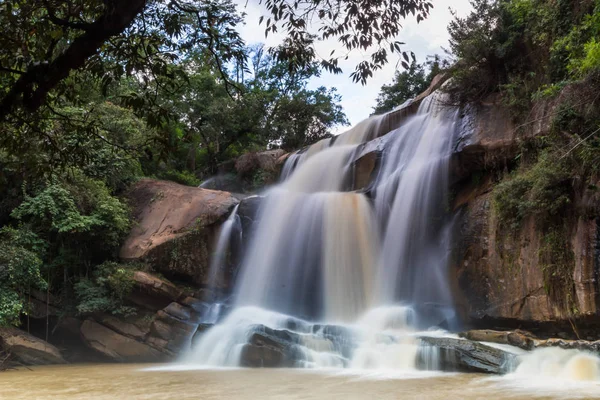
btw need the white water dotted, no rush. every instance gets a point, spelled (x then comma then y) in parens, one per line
(353, 279)
(219, 257)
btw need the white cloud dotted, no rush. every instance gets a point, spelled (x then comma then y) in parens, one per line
(425, 38)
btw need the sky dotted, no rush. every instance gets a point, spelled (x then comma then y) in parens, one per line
(425, 38)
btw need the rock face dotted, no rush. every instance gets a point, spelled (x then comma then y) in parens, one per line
(501, 281)
(176, 228)
(497, 271)
(27, 349)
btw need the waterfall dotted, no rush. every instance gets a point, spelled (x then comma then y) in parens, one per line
(345, 278)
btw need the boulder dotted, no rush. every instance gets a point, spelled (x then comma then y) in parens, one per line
(268, 348)
(449, 354)
(249, 163)
(117, 347)
(176, 228)
(27, 349)
(152, 292)
(272, 348)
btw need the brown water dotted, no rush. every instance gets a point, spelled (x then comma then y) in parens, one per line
(136, 382)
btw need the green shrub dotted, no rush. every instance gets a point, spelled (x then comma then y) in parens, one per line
(183, 177)
(20, 266)
(542, 190)
(106, 291)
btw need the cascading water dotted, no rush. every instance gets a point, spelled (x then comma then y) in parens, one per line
(341, 280)
(316, 254)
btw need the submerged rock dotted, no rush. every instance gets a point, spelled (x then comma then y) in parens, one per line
(449, 354)
(27, 349)
(269, 347)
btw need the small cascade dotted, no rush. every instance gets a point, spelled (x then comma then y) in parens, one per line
(219, 257)
(555, 363)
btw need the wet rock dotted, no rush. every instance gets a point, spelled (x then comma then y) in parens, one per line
(117, 347)
(267, 356)
(584, 345)
(462, 356)
(195, 304)
(27, 349)
(176, 332)
(176, 228)
(269, 347)
(179, 311)
(521, 339)
(152, 292)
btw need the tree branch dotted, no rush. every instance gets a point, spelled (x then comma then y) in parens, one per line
(31, 88)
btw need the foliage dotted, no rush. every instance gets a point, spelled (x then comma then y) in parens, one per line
(20, 265)
(358, 25)
(542, 190)
(520, 47)
(407, 84)
(558, 261)
(75, 206)
(184, 177)
(106, 291)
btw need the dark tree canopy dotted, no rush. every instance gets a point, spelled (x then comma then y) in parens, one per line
(408, 84)
(44, 41)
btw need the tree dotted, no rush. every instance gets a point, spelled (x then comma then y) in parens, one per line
(408, 84)
(357, 24)
(45, 41)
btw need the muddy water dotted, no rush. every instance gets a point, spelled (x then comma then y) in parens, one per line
(141, 382)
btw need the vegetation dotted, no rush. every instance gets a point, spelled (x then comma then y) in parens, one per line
(408, 84)
(525, 52)
(95, 94)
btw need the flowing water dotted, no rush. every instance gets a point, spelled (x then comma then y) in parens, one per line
(123, 382)
(352, 277)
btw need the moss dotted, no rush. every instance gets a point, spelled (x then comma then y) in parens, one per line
(557, 261)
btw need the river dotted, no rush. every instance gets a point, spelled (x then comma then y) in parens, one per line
(121, 381)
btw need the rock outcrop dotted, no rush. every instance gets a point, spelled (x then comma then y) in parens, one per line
(117, 347)
(26, 349)
(175, 229)
(152, 292)
(462, 356)
(159, 331)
